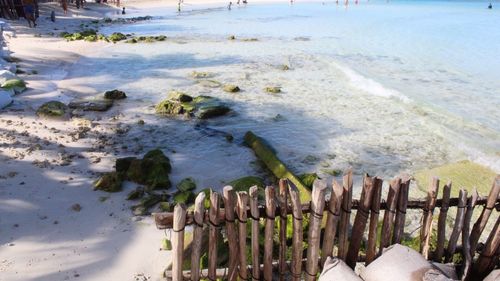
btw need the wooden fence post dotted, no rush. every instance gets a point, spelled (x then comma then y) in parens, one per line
(313, 237)
(480, 224)
(254, 211)
(426, 230)
(345, 214)
(360, 221)
(387, 224)
(296, 266)
(399, 223)
(371, 250)
(178, 241)
(214, 232)
(283, 203)
(269, 233)
(489, 255)
(242, 229)
(332, 221)
(471, 204)
(441, 231)
(232, 237)
(459, 224)
(198, 216)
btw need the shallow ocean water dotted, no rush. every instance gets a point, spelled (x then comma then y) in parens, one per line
(383, 87)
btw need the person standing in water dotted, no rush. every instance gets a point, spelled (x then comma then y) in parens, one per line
(64, 4)
(490, 6)
(29, 11)
(229, 6)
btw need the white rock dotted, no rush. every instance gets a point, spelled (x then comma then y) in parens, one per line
(6, 75)
(5, 99)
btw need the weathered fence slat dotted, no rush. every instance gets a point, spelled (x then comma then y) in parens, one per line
(399, 223)
(332, 220)
(360, 221)
(254, 211)
(489, 255)
(199, 213)
(480, 224)
(426, 230)
(471, 204)
(178, 241)
(283, 191)
(313, 237)
(371, 250)
(242, 203)
(345, 214)
(269, 233)
(441, 231)
(390, 210)
(298, 236)
(213, 234)
(459, 224)
(232, 237)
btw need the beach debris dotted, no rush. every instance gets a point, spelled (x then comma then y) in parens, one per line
(230, 88)
(95, 104)
(201, 107)
(272, 90)
(115, 95)
(53, 110)
(15, 85)
(109, 182)
(278, 168)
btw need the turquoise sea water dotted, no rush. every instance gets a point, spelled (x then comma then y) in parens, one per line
(382, 86)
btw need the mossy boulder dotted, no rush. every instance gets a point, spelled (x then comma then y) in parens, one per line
(109, 182)
(202, 107)
(115, 95)
(308, 179)
(53, 109)
(212, 111)
(244, 184)
(272, 90)
(170, 107)
(160, 38)
(186, 184)
(117, 36)
(16, 85)
(230, 88)
(131, 41)
(186, 197)
(151, 171)
(179, 96)
(90, 38)
(122, 164)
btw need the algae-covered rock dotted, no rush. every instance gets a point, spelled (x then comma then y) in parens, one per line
(131, 41)
(122, 164)
(15, 85)
(135, 194)
(53, 109)
(186, 197)
(211, 111)
(230, 88)
(115, 95)
(117, 36)
(160, 38)
(109, 182)
(169, 107)
(308, 179)
(266, 155)
(186, 184)
(284, 67)
(198, 74)
(179, 96)
(90, 38)
(244, 183)
(166, 206)
(91, 104)
(209, 83)
(332, 172)
(465, 174)
(272, 90)
(151, 171)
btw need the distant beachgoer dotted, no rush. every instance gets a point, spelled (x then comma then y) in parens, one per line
(244, 1)
(29, 11)
(53, 16)
(123, 11)
(64, 4)
(117, 3)
(229, 6)
(490, 6)
(179, 7)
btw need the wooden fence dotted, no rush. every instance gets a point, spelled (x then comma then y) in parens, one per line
(325, 219)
